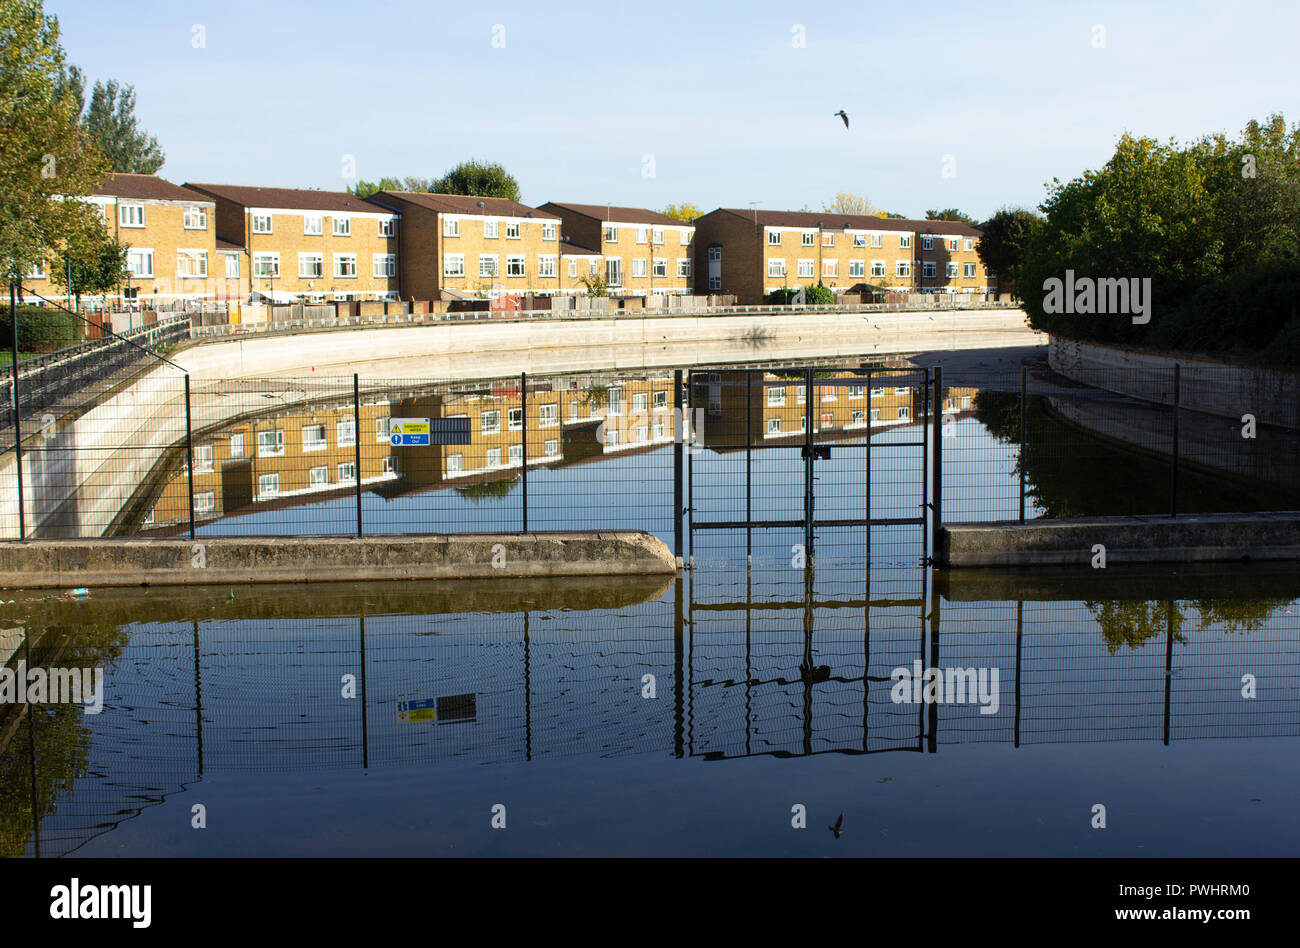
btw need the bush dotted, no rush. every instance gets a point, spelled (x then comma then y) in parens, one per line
(40, 329)
(813, 295)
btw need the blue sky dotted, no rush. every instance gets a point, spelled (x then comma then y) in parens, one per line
(732, 111)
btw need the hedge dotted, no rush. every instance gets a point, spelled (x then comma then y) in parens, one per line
(40, 329)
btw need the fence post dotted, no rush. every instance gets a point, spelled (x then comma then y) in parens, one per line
(936, 488)
(356, 441)
(18, 421)
(523, 434)
(189, 451)
(678, 435)
(1173, 468)
(1024, 372)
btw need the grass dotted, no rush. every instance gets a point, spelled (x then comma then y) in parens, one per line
(6, 356)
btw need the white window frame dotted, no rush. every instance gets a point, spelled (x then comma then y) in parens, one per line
(613, 271)
(659, 267)
(387, 228)
(513, 230)
(494, 270)
(491, 229)
(903, 268)
(548, 230)
(929, 269)
(656, 235)
(857, 269)
(341, 226)
(775, 267)
(384, 265)
(192, 213)
(263, 223)
(968, 270)
(347, 472)
(341, 264)
(203, 459)
(831, 268)
(611, 234)
(345, 432)
(638, 268)
(859, 240)
(548, 414)
(199, 257)
(927, 242)
(642, 234)
(274, 438)
(314, 445)
(806, 268)
(905, 242)
(451, 227)
(878, 268)
(318, 476)
(684, 267)
(453, 265)
(313, 225)
(516, 262)
(140, 252)
(305, 269)
(492, 426)
(808, 238)
(232, 266)
(127, 215)
(268, 485)
(547, 265)
(272, 257)
(237, 445)
(774, 238)
(573, 269)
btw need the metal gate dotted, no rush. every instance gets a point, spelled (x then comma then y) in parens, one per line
(810, 453)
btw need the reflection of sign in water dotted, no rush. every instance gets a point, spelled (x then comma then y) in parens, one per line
(444, 710)
(405, 432)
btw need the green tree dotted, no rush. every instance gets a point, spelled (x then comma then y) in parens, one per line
(365, 188)
(1002, 245)
(111, 123)
(595, 284)
(478, 178)
(846, 202)
(681, 212)
(949, 214)
(44, 153)
(96, 262)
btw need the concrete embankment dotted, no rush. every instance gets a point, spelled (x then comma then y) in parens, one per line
(239, 560)
(1199, 538)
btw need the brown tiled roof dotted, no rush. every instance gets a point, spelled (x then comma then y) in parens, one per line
(146, 187)
(296, 199)
(462, 204)
(228, 245)
(619, 215)
(811, 219)
(577, 250)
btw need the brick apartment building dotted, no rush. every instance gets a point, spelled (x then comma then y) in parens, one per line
(301, 243)
(170, 233)
(752, 253)
(645, 253)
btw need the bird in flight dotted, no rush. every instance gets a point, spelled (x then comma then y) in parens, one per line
(836, 828)
(841, 113)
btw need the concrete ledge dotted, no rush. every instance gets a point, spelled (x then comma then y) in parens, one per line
(239, 560)
(1199, 538)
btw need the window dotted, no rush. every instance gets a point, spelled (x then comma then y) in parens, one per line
(659, 431)
(950, 269)
(808, 239)
(203, 459)
(268, 485)
(800, 395)
(261, 223)
(546, 265)
(776, 396)
(594, 267)
(342, 227)
(927, 243)
(660, 267)
(686, 238)
(266, 265)
(345, 265)
(876, 241)
(969, 244)
(905, 241)
(615, 396)
(715, 254)
(492, 229)
(611, 436)
(657, 235)
(548, 231)
(968, 269)
(388, 465)
(952, 243)
(928, 268)
(684, 267)
(773, 426)
(640, 235)
(855, 391)
(573, 409)
(381, 429)
(516, 419)
(661, 400)
(552, 449)
(313, 437)
(237, 446)
(206, 502)
(877, 268)
(611, 234)
(270, 444)
(450, 227)
(37, 272)
(516, 266)
(516, 454)
(857, 268)
(345, 431)
(311, 265)
(829, 393)
(641, 433)
(454, 463)
(232, 266)
(774, 238)
(388, 228)
(877, 392)
(549, 414)
(903, 268)
(493, 457)
(859, 417)
(196, 218)
(318, 476)
(807, 268)
(453, 264)
(904, 411)
(613, 271)
(512, 231)
(139, 263)
(130, 215)
(640, 401)
(875, 414)
(830, 268)
(715, 282)
(573, 269)
(192, 263)
(638, 267)
(313, 225)
(828, 240)
(490, 422)
(859, 240)
(487, 265)
(826, 420)
(347, 472)
(384, 265)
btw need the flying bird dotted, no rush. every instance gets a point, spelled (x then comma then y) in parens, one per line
(836, 828)
(841, 113)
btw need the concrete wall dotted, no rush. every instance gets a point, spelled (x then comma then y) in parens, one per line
(1209, 385)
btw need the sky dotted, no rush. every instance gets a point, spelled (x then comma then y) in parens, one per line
(969, 105)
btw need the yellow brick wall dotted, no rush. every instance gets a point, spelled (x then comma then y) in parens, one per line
(287, 238)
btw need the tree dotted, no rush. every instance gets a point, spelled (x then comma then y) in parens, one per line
(595, 284)
(110, 121)
(44, 153)
(1002, 245)
(366, 188)
(847, 202)
(480, 179)
(96, 261)
(949, 214)
(681, 212)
